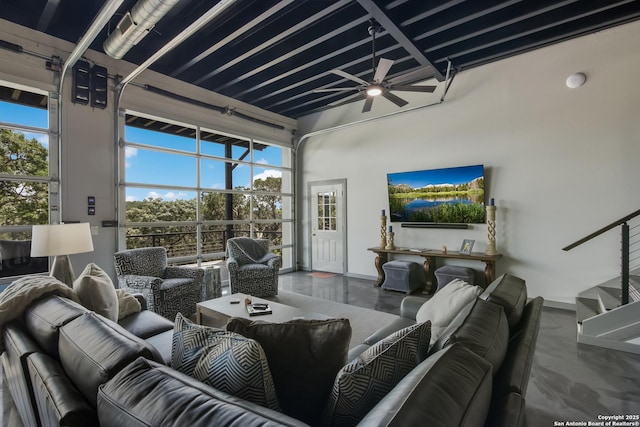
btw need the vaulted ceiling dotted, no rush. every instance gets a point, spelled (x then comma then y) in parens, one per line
(275, 53)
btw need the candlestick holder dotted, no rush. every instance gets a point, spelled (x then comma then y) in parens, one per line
(383, 231)
(390, 245)
(491, 231)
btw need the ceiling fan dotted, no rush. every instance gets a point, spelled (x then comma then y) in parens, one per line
(377, 86)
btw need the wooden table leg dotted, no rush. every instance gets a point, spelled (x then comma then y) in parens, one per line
(489, 272)
(380, 260)
(427, 272)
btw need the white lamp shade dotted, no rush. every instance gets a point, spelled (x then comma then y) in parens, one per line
(61, 239)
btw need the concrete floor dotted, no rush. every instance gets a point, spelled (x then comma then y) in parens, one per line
(569, 382)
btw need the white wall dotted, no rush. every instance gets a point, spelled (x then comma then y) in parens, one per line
(88, 135)
(560, 163)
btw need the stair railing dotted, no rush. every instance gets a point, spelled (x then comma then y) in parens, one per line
(625, 249)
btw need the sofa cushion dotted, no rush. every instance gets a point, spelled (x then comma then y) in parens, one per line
(481, 327)
(304, 357)
(146, 323)
(148, 394)
(444, 305)
(450, 388)
(44, 318)
(361, 384)
(511, 293)
(93, 349)
(225, 360)
(96, 291)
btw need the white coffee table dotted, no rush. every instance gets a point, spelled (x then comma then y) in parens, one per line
(217, 312)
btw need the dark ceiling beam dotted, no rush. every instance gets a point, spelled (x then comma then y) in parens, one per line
(561, 35)
(549, 41)
(234, 35)
(502, 24)
(301, 68)
(395, 31)
(430, 12)
(292, 53)
(281, 36)
(47, 15)
(468, 18)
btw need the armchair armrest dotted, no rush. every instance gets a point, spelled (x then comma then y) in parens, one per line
(275, 263)
(232, 265)
(139, 282)
(410, 306)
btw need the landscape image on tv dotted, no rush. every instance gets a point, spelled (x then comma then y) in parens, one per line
(451, 195)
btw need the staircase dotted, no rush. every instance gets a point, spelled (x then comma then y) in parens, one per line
(608, 315)
(603, 321)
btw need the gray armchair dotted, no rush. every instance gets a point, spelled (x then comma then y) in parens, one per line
(253, 268)
(167, 289)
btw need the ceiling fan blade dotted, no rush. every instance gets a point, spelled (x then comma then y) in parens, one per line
(410, 88)
(384, 65)
(367, 104)
(416, 75)
(349, 76)
(395, 99)
(335, 89)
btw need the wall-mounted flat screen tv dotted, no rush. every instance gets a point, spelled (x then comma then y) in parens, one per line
(445, 196)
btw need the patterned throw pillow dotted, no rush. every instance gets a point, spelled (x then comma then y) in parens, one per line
(225, 360)
(361, 384)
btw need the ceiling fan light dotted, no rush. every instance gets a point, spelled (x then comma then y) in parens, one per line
(374, 90)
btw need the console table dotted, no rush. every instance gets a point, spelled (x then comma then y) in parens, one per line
(430, 256)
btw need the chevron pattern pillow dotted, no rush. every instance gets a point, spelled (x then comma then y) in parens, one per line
(225, 360)
(361, 384)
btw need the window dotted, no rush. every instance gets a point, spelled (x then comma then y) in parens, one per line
(327, 211)
(25, 175)
(190, 188)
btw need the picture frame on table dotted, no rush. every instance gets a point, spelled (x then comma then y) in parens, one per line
(467, 245)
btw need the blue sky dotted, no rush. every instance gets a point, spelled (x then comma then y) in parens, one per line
(152, 167)
(418, 179)
(19, 114)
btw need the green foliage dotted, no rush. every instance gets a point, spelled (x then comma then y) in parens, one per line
(455, 213)
(23, 203)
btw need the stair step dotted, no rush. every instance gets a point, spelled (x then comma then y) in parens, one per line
(586, 308)
(608, 298)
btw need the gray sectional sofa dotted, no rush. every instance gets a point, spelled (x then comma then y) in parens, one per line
(68, 366)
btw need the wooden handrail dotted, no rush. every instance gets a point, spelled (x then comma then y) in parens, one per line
(602, 230)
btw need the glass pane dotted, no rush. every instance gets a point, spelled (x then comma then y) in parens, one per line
(185, 140)
(24, 203)
(23, 114)
(267, 179)
(271, 231)
(214, 206)
(148, 205)
(180, 240)
(153, 167)
(212, 173)
(24, 153)
(267, 154)
(269, 206)
(15, 255)
(214, 236)
(216, 144)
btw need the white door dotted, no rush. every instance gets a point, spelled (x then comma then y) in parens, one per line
(327, 227)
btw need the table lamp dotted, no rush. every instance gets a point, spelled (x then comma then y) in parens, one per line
(61, 240)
